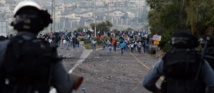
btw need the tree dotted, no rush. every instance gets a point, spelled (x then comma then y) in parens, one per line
(129, 29)
(166, 16)
(117, 32)
(102, 26)
(108, 23)
(79, 29)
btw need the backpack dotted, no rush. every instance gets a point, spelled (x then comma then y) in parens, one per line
(27, 66)
(181, 69)
(181, 63)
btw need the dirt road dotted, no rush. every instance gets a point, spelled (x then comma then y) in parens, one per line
(111, 73)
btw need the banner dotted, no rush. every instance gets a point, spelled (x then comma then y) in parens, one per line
(156, 37)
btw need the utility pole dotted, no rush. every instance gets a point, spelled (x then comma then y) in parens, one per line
(108, 10)
(95, 28)
(53, 16)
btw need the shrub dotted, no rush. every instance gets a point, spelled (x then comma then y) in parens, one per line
(166, 47)
(106, 38)
(82, 39)
(99, 42)
(87, 41)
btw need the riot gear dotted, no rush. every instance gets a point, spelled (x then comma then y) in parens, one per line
(208, 49)
(28, 16)
(183, 68)
(182, 65)
(28, 64)
(183, 39)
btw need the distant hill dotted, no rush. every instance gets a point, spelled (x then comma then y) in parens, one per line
(44, 1)
(73, 0)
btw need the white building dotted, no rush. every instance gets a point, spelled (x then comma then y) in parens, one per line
(86, 14)
(130, 15)
(116, 13)
(136, 3)
(141, 2)
(2, 1)
(5, 8)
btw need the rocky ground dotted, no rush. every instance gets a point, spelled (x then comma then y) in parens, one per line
(110, 73)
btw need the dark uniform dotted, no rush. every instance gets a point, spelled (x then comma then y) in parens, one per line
(183, 68)
(207, 44)
(27, 64)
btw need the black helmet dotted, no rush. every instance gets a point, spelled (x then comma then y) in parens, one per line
(184, 39)
(29, 16)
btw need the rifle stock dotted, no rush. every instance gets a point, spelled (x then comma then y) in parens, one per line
(77, 81)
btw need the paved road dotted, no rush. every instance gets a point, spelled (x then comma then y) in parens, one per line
(71, 56)
(114, 73)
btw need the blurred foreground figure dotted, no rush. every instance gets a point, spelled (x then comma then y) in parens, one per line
(27, 64)
(207, 44)
(183, 68)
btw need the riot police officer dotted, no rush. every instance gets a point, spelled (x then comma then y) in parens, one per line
(207, 51)
(28, 65)
(183, 69)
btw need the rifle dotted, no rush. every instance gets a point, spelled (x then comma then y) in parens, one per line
(202, 59)
(77, 81)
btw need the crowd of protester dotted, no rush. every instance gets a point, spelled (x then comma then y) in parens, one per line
(133, 41)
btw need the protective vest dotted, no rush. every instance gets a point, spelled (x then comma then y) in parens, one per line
(27, 65)
(181, 70)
